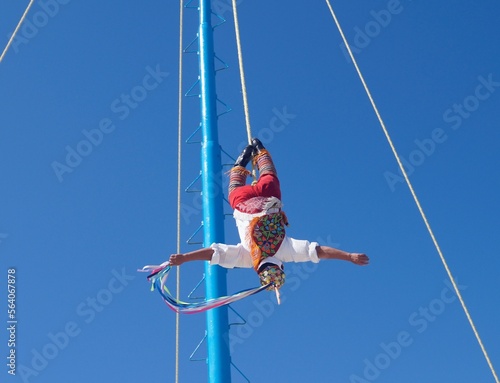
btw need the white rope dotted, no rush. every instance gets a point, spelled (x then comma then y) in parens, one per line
(243, 82)
(17, 29)
(242, 73)
(443, 260)
(179, 191)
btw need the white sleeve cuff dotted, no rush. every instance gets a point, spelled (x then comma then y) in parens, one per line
(216, 255)
(313, 253)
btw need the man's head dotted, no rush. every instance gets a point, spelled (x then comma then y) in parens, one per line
(271, 273)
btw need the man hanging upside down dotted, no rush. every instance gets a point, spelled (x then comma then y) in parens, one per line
(261, 226)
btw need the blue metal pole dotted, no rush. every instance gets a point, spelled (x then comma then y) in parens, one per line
(219, 360)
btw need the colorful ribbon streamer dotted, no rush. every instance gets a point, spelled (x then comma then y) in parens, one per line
(158, 277)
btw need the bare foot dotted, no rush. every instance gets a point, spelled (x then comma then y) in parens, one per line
(176, 259)
(359, 259)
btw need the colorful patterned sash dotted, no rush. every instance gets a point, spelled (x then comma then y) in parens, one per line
(265, 235)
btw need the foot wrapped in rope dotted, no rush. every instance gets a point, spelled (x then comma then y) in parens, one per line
(263, 159)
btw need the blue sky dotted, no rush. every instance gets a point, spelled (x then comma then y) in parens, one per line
(88, 138)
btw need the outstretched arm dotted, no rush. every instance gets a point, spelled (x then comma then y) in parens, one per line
(197, 255)
(325, 252)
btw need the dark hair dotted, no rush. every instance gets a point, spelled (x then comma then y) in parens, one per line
(267, 264)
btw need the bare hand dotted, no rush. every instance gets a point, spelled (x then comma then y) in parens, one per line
(176, 259)
(359, 259)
